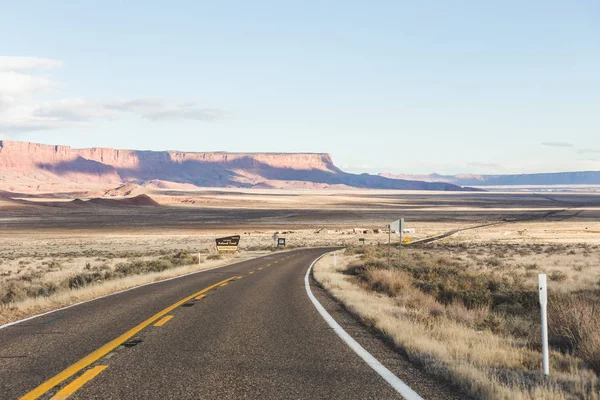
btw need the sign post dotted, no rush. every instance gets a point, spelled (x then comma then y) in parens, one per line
(334, 259)
(543, 289)
(396, 226)
(275, 236)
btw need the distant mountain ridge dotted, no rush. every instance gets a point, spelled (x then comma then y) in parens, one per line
(33, 167)
(539, 179)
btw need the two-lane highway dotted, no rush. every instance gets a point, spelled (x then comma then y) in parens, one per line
(247, 330)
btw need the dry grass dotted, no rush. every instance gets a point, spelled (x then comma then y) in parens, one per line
(574, 322)
(31, 305)
(446, 323)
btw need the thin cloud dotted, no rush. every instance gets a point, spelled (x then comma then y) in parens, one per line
(78, 110)
(186, 112)
(20, 63)
(483, 164)
(588, 151)
(557, 144)
(20, 113)
(160, 109)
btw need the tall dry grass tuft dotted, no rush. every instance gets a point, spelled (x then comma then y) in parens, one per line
(574, 322)
(390, 282)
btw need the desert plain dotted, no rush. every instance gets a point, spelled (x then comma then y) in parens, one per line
(61, 248)
(50, 237)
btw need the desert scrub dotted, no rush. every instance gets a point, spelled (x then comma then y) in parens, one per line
(32, 284)
(574, 325)
(475, 324)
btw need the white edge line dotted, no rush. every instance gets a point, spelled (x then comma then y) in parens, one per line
(139, 286)
(402, 388)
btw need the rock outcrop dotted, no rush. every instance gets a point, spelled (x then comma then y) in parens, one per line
(34, 167)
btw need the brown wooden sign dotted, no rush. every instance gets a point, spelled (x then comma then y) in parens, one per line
(229, 243)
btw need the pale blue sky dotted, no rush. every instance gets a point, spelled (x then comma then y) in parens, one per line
(396, 86)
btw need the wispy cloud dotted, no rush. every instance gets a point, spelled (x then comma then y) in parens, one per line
(80, 110)
(557, 144)
(483, 164)
(588, 151)
(161, 109)
(20, 63)
(19, 112)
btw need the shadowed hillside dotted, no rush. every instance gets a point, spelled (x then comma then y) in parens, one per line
(33, 167)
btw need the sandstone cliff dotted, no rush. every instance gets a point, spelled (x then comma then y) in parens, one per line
(34, 167)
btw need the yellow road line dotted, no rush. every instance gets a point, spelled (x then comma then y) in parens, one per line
(259, 268)
(275, 262)
(239, 277)
(250, 273)
(224, 284)
(200, 297)
(163, 321)
(79, 382)
(108, 347)
(268, 265)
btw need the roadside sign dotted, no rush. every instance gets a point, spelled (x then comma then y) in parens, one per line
(362, 240)
(406, 240)
(397, 226)
(229, 243)
(280, 242)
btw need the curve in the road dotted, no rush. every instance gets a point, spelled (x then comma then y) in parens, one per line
(252, 332)
(399, 386)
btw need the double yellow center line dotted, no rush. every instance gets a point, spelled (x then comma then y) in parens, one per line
(104, 350)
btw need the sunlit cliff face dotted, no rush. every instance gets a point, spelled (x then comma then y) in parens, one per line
(38, 167)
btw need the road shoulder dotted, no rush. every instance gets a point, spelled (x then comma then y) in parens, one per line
(382, 348)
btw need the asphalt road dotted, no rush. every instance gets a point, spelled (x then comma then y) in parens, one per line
(247, 330)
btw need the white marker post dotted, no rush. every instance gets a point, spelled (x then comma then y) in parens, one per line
(401, 230)
(199, 262)
(389, 243)
(543, 288)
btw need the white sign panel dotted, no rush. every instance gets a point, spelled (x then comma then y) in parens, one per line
(397, 226)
